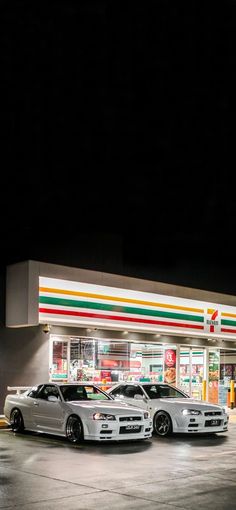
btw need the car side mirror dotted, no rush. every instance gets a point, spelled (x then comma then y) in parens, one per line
(138, 397)
(52, 398)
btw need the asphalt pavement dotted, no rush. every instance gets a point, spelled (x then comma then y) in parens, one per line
(42, 472)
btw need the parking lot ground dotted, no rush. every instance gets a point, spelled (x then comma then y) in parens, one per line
(42, 472)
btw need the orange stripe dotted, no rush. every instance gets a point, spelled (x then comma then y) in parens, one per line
(228, 314)
(113, 298)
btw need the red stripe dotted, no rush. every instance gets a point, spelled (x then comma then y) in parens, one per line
(118, 318)
(226, 330)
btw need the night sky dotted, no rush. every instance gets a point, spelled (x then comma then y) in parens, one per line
(118, 138)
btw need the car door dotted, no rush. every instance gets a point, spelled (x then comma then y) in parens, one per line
(48, 416)
(128, 392)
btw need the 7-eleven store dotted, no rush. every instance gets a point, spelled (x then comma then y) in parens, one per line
(102, 327)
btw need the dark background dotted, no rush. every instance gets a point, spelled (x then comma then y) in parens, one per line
(118, 138)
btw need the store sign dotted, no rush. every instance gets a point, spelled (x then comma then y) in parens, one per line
(212, 320)
(82, 304)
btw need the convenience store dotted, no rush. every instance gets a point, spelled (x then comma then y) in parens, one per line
(97, 326)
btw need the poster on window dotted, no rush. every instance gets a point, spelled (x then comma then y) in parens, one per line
(170, 366)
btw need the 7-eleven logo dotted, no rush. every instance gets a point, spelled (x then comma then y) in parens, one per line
(212, 320)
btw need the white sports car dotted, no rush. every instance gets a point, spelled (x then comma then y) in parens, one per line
(77, 411)
(171, 409)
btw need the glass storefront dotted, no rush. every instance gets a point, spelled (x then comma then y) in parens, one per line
(192, 372)
(213, 376)
(226, 375)
(109, 361)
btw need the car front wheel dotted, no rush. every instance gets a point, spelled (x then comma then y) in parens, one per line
(16, 421)
(74, 429)
(162, 424)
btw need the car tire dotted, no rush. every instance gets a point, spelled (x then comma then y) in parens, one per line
(16, 421)
(162, 424)
(74, 429)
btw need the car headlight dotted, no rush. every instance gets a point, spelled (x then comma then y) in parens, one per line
(187, 412)
(146, 415)
(103, 416)
(225, 411)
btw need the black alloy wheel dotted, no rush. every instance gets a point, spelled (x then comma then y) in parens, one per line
(16, 421)
(162, 424)
(74, 429)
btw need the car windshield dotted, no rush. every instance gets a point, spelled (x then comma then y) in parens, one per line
(163, 391)
(82, 392)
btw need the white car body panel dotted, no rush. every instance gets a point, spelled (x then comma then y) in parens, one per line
(174, 407)
(51, 417)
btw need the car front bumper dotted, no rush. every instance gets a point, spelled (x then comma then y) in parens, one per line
(200, 424)
(102, 430)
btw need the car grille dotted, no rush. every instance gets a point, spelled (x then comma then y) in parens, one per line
(213, 413)
(130, 418)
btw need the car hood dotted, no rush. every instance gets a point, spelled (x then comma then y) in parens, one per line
(107, 407)
(191, 403)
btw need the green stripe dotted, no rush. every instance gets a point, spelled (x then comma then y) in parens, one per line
(118, 308)
(227, 322)
(193, 352)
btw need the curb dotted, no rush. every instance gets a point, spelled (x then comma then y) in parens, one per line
(3, 424)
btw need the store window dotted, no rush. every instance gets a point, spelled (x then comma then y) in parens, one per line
(227, 374)
(213, 376)
(59, 364)
(110, 361)
(192, 371)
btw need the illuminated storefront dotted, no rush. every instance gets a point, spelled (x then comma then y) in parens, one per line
(109, 361)
(108, 328)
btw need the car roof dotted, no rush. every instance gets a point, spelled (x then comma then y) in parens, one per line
(144, 383)
(75, 383)
(57, 383)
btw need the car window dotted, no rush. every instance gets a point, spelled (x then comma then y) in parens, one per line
(127, 391)
(117, 392)
(94, 393)
(33, 393)
(153, 391)
(83, 392)
(48, 391)
(72, 392)
(166, 391)
(163, 391)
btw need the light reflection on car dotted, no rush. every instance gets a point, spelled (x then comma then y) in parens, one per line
(171, 409)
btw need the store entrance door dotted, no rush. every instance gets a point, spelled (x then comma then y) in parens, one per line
(192, 361)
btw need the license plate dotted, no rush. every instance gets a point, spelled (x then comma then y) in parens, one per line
(130, 428)
(212, 423)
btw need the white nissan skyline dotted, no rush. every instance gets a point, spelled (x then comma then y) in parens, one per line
(77, 411)
(171, 409)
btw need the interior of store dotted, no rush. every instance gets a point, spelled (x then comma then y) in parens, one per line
(109, 361)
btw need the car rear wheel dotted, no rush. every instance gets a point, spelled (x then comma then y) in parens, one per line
(162, 424)
(74, 429)
(16, 421)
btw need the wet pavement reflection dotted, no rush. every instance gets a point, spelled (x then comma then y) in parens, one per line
(39, 472)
